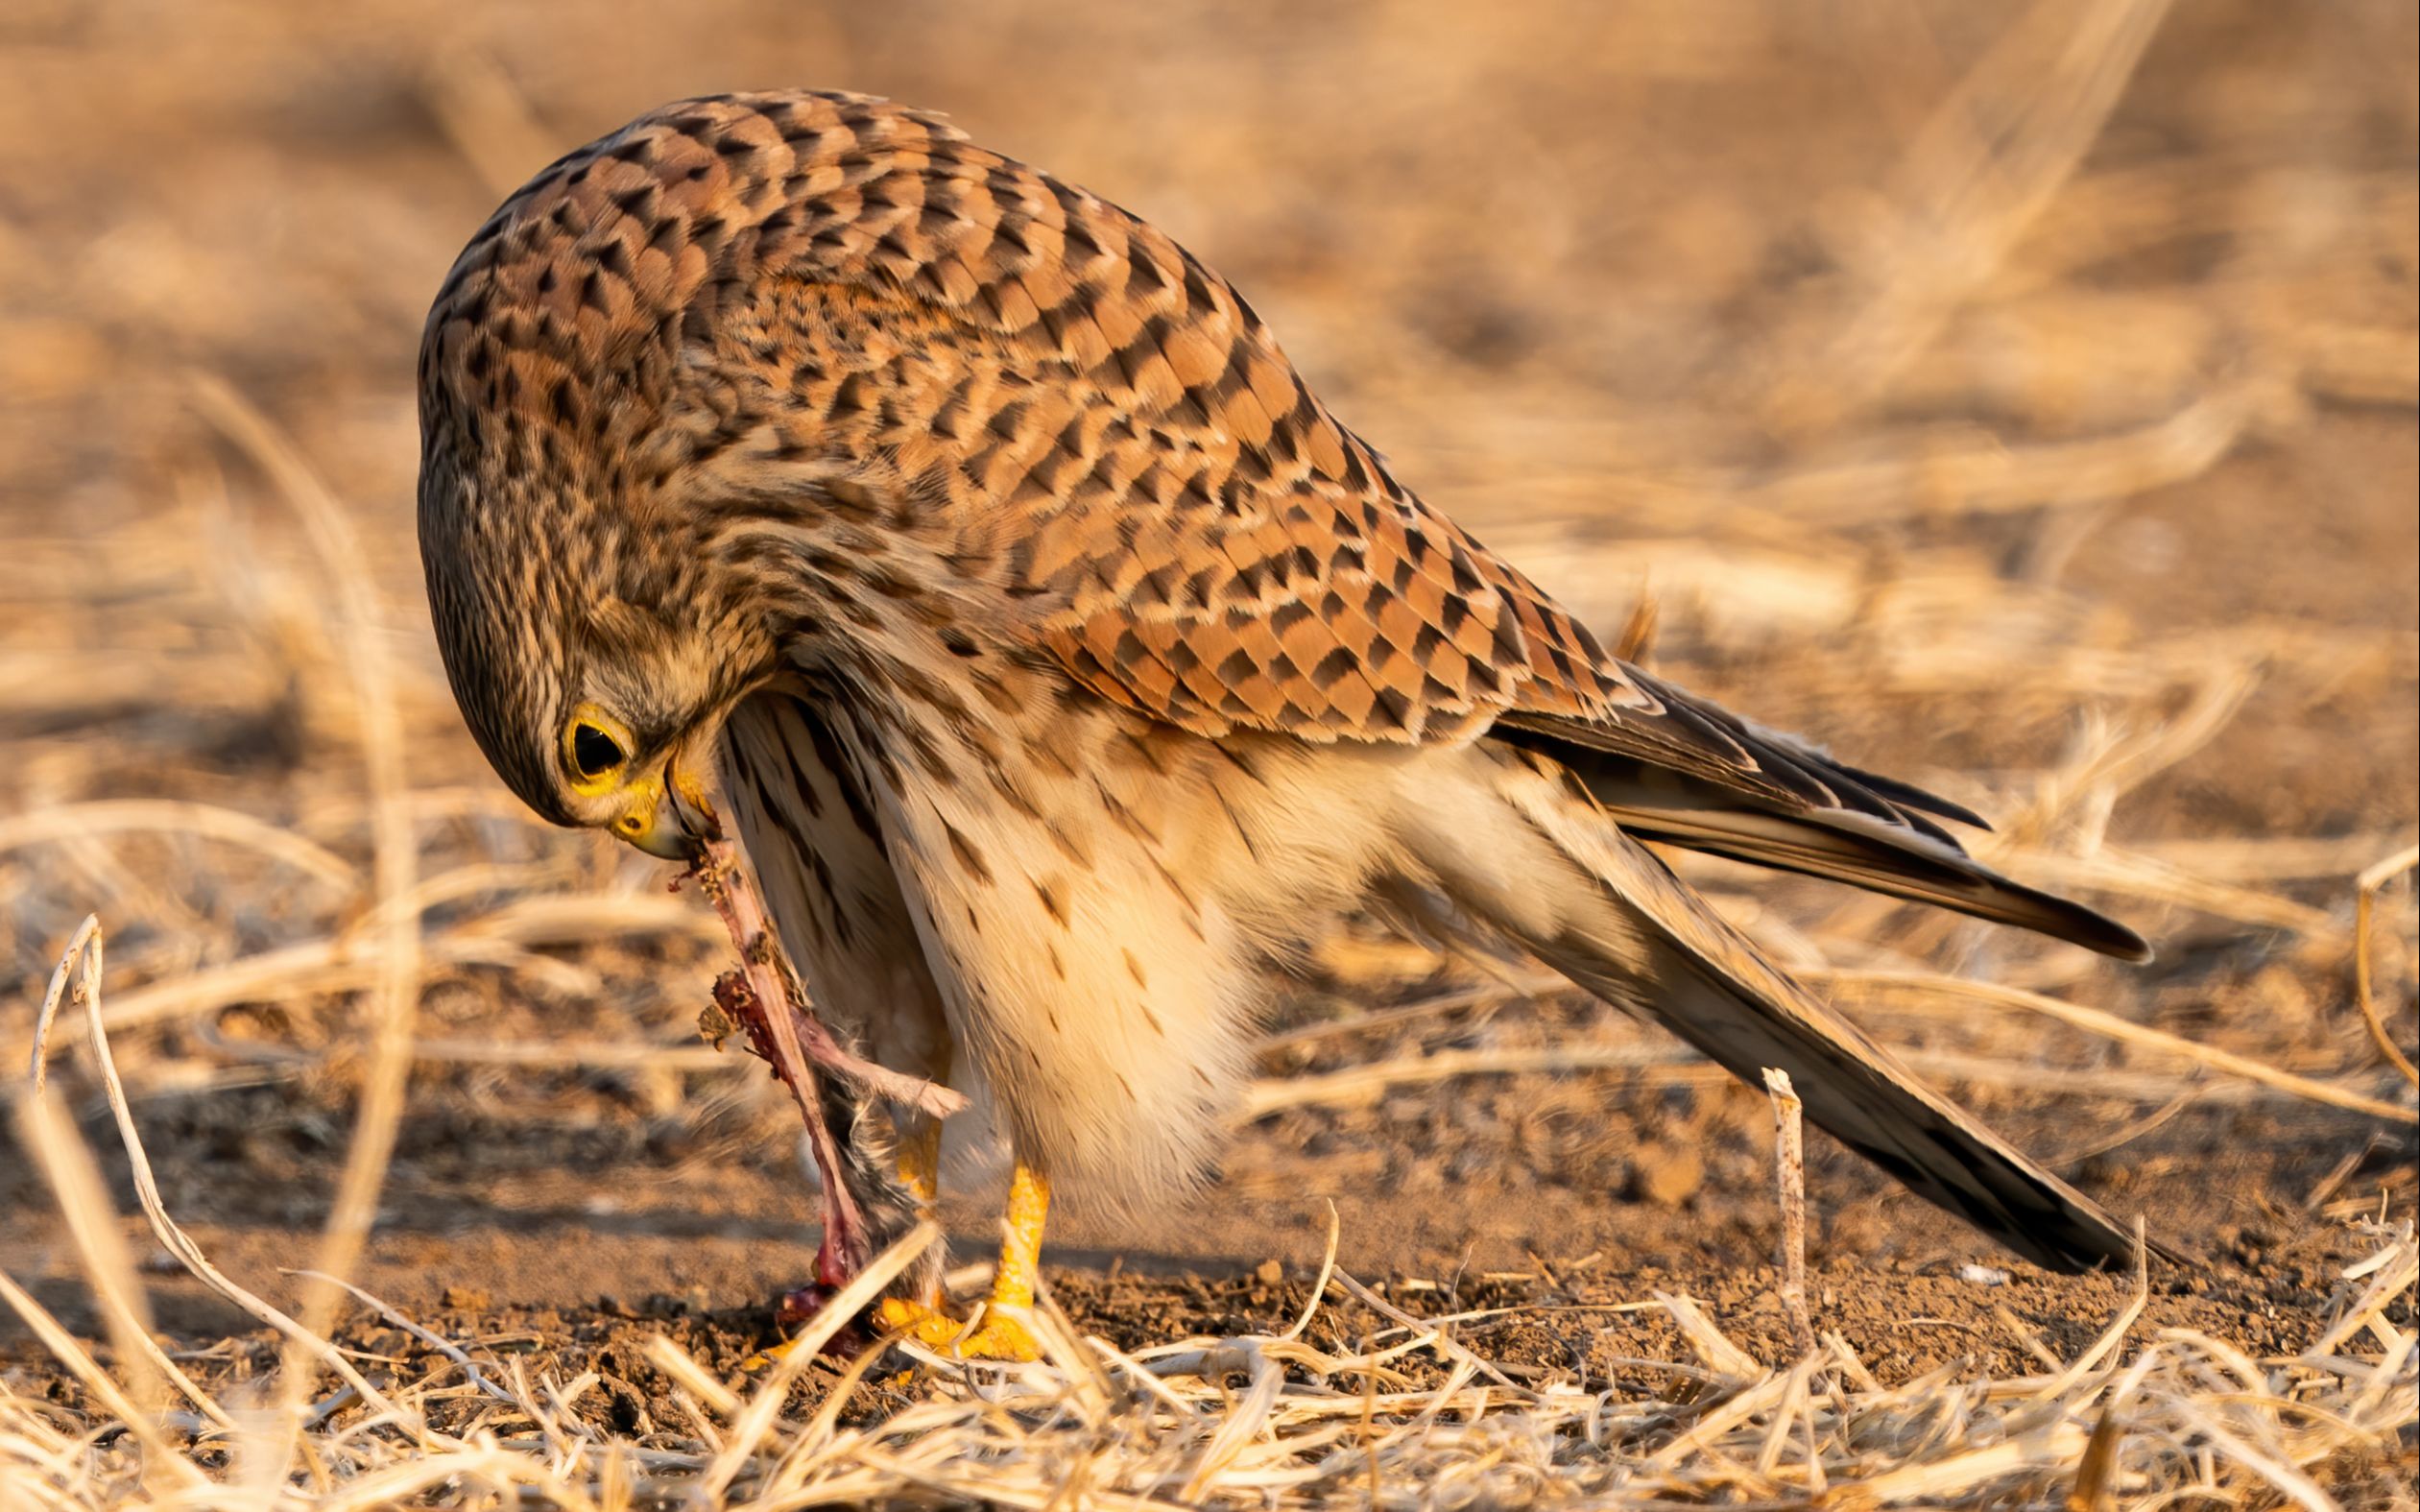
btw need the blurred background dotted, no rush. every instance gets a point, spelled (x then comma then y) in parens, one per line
(2020, 399)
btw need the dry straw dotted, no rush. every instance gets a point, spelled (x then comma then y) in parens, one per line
(1790, 1172)
(1092, 1426)
(1974, 263)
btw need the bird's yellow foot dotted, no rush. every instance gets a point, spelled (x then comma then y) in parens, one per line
(997, 1336)
(764, 1358)
(999, 1333)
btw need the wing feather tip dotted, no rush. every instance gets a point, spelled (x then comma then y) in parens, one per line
(2106, 936)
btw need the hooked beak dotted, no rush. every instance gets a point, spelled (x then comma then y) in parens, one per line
(667, 815)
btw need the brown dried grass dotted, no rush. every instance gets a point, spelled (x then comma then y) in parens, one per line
(1249, 1421)
(1961, 359)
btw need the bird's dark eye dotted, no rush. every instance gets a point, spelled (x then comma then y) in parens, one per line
(594, 752)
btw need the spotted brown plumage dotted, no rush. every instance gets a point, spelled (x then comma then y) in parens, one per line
(1219, 550)
(1033, 608)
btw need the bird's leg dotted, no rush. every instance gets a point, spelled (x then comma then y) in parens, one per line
(916, 1157)
(920, 1160)
(1000, 1332)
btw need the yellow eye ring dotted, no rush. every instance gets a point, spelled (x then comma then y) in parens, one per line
(595, 749)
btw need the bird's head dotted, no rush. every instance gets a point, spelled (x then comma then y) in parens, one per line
(579, 656)
(605, 406)
(594, 636)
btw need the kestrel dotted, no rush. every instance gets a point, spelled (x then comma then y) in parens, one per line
(1063, 664)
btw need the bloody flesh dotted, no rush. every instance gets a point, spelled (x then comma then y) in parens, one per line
(762, 997)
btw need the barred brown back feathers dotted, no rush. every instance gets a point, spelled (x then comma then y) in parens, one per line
(1068, 659)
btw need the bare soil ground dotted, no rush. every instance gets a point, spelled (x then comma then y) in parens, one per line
(2029, 412)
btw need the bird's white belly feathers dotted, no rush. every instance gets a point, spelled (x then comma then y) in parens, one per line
(1099, 899)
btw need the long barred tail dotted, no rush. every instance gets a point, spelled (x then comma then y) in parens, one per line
(1601, 908)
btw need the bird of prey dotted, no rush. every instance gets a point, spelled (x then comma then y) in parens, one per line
(1062, 663)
